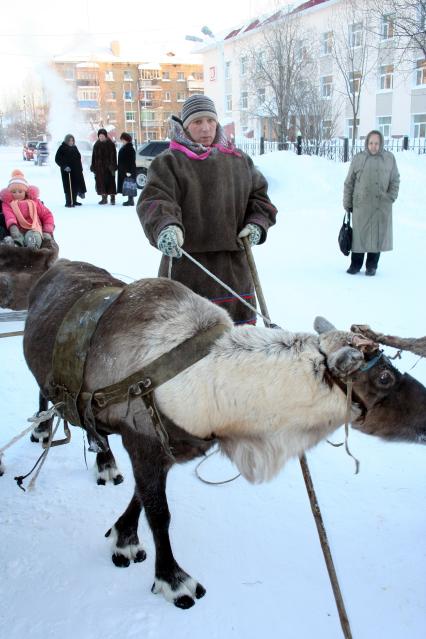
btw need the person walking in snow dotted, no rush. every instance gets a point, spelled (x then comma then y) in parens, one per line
(104, 166)
(28, 220)
(370, 189)
(126, 165)
(203, 194)
(68, 158)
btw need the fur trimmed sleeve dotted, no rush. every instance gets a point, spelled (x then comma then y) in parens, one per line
(46, 217)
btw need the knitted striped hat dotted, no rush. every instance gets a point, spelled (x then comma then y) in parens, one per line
(18, 178)
(197, 106)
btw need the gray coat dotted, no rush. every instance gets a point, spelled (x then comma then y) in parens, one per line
(370, 189)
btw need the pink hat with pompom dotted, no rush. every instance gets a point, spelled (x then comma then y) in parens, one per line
(18, 178)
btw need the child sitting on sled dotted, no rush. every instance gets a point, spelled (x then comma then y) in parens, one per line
(28, 220)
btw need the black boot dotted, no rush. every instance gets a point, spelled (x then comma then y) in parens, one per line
(104, 200)
(112, 199)
(130, 202)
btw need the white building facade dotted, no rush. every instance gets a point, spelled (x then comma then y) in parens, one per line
(392, 91)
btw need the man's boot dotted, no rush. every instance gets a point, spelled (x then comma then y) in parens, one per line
(104, 200)
(112, 199)
(129, 202)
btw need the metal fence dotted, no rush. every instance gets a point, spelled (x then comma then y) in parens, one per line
(339, 149)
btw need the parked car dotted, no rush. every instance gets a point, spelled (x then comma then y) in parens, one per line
(144, 156)
(28, 150)
(41, 154)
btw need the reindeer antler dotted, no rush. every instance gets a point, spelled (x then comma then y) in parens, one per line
(416, 345)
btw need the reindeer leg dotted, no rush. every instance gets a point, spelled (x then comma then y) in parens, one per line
(124, 534)
(106, 466)
(41, 432)
(150, 468)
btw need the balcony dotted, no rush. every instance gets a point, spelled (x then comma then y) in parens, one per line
(87, 83)
(195, 85)
(152, 85)
(88, 104)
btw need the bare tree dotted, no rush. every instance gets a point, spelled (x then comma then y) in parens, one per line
(353, 52)
(276, 64)
(403, 21)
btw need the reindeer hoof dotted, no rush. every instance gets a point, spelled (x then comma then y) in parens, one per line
(120, 561)
(100, 481)
(184, 602)
(140, 556)
(200, 591)
(118, 480)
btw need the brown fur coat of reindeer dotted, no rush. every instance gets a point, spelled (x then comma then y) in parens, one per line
(263, 395)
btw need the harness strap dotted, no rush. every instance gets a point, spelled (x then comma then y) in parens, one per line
(160, 370)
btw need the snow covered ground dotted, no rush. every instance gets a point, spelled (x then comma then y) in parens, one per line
(255, 549)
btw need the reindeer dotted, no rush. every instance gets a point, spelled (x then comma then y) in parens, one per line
(262, 395)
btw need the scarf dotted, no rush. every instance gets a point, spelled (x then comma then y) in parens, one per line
(194, 150)
(34, 224)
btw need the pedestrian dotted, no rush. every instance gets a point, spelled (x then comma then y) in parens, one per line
(370, 189)
(68, 158)
(27, 219)
(126, 165)
(203, 194)
(104, 166)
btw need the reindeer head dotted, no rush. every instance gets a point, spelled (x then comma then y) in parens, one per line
(395, 403)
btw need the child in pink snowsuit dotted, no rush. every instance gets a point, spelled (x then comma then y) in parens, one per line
(26, 217)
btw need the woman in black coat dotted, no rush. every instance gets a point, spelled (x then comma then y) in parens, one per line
(104, 166)
(69, 159)
(126, 165)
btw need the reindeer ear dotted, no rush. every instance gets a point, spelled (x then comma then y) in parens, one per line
(321, 325)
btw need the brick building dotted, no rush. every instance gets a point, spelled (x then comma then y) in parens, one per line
(133, 95)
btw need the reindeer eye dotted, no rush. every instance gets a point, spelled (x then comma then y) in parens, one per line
(386, 379)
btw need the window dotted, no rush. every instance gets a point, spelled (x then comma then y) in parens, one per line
(260, 96)
(326, 86)
(260, 61)
(127, 76)
(109, 75)
(354, 82)
(130, 116)
(244, 100)
(166, 76)
(228, 70)
(387, 27)
(420, 72)
(181, 96)
(167, 96)
(355, 34)
(299, 50)
(384, 124)
(229, 102)
(181, 76)
(150, 74)
(68, 73)
(128, 96)
(111, 96)
(350, 127)
(327, 43)
(419, 128)
(147, 116)
(243, 66)
(386, 77)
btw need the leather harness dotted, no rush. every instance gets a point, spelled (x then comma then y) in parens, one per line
(71, 349)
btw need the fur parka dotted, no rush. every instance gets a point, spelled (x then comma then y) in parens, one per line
(104, 166)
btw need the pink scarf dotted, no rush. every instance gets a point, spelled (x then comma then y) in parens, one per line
(22, 222)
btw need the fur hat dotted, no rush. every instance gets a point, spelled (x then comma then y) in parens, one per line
(104, 131)
(18, 178)
(197, 106)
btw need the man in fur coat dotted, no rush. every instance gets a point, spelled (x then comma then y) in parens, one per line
(104, 166)
(203, 194)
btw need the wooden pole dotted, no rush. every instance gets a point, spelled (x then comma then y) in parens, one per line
(344, 621)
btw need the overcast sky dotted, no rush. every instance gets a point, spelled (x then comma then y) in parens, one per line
(34, 30)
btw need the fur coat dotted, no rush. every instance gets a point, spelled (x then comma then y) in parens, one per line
(211, 194)
(126, 164)
(69, 156)
(104, 166)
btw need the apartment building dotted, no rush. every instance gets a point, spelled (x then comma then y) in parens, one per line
(391, 91)
(133, 95)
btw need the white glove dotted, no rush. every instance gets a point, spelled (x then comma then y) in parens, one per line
(253, 232)
(170, 240)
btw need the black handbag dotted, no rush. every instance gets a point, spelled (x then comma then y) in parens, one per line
(129, 187)
(345, 235)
